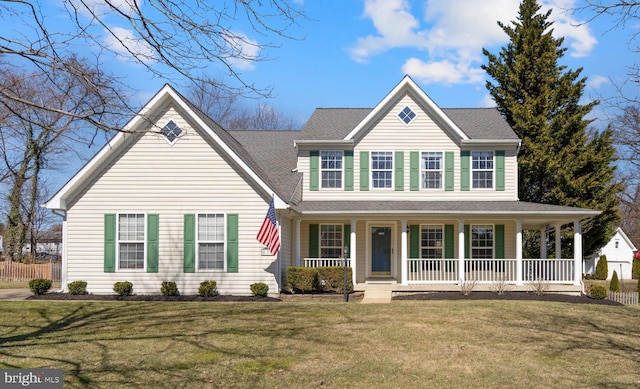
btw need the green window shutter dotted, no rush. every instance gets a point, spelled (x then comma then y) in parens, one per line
(232, 243)
(189, 243)
(500, 170)
(414, 241)
(314, 240)
(448, 242)
(348, 170)
(109, 243)
(364, 170)
(499, 241)
(314, 169)
(399, 170)
(467, 241)
(414, 170)
(465, 169)
(346, 238)
(153, 238)
(448, 171)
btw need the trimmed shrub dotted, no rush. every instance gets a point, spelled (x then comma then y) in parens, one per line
(602, 268)
(587, 276)
(123, 288)
(208, 289)
(259, 289)
(635, 268)
(598, 292)
(332, 279)
(169, 288)
(302, 279)
(77, 287)
(614, 286)
(39, 285)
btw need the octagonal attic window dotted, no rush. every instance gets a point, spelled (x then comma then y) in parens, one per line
(407, 115)
(171, 131)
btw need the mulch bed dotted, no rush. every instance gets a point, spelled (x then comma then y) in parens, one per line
(111, 297)
(521, 296)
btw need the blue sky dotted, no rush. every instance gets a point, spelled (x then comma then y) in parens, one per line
(356, 51)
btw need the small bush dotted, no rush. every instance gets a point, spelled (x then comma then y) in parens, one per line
(77, 287)
(333, 277)
(302, 279)
(587, 276)
(123, 288)
(614, 286)
(602, 269)
(207, 289)
(39, 285)
(635, 269)
(259, 289)
(598, 292)
(169, 288)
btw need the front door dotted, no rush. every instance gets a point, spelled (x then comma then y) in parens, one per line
(381, 250)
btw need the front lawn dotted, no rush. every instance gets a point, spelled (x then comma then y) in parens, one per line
(318, 344)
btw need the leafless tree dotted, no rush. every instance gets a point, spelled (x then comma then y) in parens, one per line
(173, 40)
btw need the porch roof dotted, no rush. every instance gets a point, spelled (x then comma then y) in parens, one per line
(532, 215)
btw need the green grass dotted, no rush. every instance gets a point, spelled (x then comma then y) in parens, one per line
(312, 344)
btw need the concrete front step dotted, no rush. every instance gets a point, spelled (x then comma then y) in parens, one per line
(377, 297)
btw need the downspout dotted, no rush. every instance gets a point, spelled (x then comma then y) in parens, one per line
(63, 257)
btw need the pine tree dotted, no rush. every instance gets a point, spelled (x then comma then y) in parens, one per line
(602, 268)
(614, 286)
(558, 162)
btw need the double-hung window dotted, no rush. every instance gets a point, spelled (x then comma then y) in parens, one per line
(382, 169)
(482, 169)
(131, 241)
(431, 169)
(482, 241)
(331, 241)
(331, 169)
(210, 241)
(431, 242)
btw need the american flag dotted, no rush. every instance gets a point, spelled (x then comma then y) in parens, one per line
(269, 234)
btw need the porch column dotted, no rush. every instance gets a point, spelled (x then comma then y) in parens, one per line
(403, 252)
(543, 243)
(461, 241)
(558, 249)
(577, 252)
(352, 250)
(297, 253)
(518, 252)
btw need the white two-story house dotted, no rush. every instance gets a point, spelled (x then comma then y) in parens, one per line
(416, 197)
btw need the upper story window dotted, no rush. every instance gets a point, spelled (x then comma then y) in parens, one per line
(407, 115)
(431, 241)
(482, 241)
(171, 131)
(431, 170)
(210, 241)
(482, 169)
(331, 241)
(381, 169)
(131, 240)
(331, 169)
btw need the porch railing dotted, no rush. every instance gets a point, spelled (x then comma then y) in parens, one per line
(490, 270)
(324, 262)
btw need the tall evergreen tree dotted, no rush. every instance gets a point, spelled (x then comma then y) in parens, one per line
(558, 162)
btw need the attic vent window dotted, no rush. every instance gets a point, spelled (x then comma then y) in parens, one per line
(171, 131)
(407, 115)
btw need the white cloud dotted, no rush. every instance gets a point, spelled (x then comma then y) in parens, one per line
(595, 82)
(487, 101)
(454, 33)
(242, 51)
(127, 46)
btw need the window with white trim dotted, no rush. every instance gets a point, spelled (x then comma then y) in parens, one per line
(172, 131)
(407, 115)
(431, 168)
(210, 241)
(381, 169)
(331, 169)
(331, 241)
(482, 169)
(431, 241)
(131, 241)
(482, 241)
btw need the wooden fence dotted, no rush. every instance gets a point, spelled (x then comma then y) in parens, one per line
(626, 298)
(16, 271)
